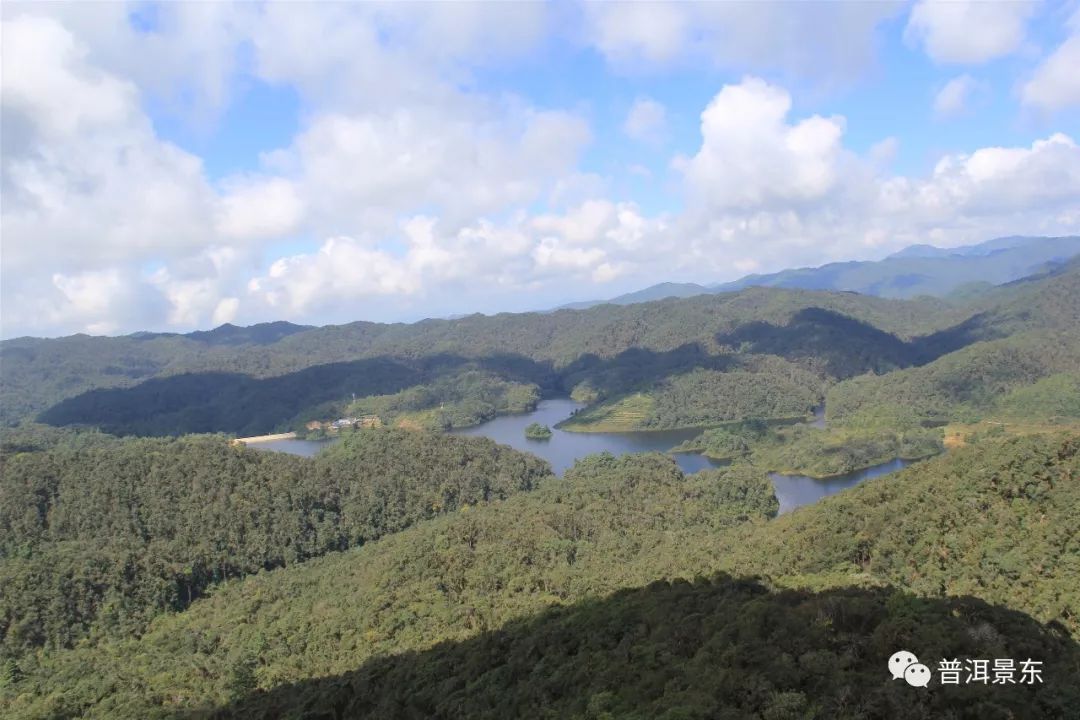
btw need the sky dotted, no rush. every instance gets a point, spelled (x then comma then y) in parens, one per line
(176, 166)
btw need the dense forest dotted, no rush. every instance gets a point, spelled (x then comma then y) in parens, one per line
(698, 361)
(632, 570)
(403, 572)
(456, 400)
(817, 452)
(152, 384)
(752, 386)
(100, 537)
(997, 377)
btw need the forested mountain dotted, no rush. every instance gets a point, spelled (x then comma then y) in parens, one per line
(102, 535)
(411, 574)
(587, 598)
(913, 271)
(452, 400)
(926, 270)
(966, 385)
(660, 291)
(173, 384)
(185, 385)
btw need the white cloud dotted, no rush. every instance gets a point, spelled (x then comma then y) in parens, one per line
(596, 241)
(955, 97)
(417, 192)
(360, 172)
(824, 40)
(225, 311)
(376, 56)
(161, 60)
(883, 153)
(646, 121)
(259, 208)
(969, 31)
(85, 179)
(993, 182)
(652, 31)
(751, 157)
(91, 194)
(768, 192)
(1055, 84)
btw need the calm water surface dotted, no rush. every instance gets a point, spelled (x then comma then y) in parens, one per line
(797, 490)
(565, 447)
(561, 450)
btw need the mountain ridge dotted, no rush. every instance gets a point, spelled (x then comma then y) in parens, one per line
(919, 269)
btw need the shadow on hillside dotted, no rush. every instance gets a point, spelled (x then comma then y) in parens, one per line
(637, 368)
(845, 346)
(976, 328)
(240, 404)
(835, 344)
(720, 648)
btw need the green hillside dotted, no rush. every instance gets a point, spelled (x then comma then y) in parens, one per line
(985, 379)
(496, 610)
(169, 384)
(100, 538)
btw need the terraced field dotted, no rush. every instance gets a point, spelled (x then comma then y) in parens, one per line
(618, 415)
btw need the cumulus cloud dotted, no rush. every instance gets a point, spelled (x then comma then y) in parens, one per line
(597, 242)
(992, 182)
(646, 121)
(751, 157)
(360, 171)
(83, 172)
(955, 97)
(151, 46)
(1055, 84)
(771, 191)
(93, 196)
(652, 31)
(259, 208)
(969, 31)
(827, 41)
(408, 191)
(380, 56)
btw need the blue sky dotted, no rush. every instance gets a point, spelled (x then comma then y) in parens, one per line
(171, 167)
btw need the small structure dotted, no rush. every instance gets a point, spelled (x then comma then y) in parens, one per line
(364, 421)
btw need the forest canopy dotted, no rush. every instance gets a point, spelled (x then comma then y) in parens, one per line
(1000, 512)
(102, 538)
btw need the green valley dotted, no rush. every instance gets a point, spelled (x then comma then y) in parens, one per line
(404, 571)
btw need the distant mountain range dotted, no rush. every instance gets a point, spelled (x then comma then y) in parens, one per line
(915, 270)
(229, 334)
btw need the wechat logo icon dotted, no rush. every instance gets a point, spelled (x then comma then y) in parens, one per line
(904, 665)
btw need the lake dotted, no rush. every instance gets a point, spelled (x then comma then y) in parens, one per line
(565, 447)
(797, 490)
(561, 450)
